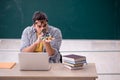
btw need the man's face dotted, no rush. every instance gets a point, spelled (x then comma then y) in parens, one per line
(40, 25)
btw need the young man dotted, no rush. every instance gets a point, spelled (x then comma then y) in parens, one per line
(41, 37)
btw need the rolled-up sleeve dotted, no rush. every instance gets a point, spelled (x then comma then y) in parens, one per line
(24, 39)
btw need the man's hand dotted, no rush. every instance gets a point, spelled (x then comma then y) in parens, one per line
(39, 39)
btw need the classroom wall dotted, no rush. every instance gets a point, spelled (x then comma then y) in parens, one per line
(77, 19)
(73, 45)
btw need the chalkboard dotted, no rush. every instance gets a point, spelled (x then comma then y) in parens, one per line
(77, 19)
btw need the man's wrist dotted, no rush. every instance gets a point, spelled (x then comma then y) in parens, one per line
(35, 44)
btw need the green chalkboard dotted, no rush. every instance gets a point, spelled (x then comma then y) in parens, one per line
(77, 19)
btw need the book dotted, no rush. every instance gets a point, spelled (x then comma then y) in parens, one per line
(74, 57)
(74, 65)
(73, 68)
(7, 65)
(74, 62)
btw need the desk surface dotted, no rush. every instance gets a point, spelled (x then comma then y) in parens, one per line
(107, 64)
(57, 71)
(108, 60)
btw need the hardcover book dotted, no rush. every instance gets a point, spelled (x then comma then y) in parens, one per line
(73, 68)
(74, 57)
(74, 65)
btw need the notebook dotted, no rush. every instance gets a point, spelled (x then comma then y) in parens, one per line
(34, 61)
(7, 65)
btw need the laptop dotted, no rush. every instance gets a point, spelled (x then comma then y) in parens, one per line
(34, 61)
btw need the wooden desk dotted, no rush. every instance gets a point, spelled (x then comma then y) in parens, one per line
(57, 72)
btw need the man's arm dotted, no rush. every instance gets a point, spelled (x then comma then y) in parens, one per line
(30, 48)
(49, 48)
(33, 46)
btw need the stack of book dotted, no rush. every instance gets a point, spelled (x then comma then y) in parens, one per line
(73, 61)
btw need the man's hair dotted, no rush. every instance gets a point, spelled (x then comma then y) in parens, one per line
(39, 16)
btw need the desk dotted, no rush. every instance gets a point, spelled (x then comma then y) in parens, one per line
(57, 72)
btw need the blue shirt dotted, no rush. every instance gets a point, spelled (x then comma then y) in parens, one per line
(29, 37)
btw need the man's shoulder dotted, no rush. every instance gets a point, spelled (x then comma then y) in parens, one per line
(54, 28)
(29, 28)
